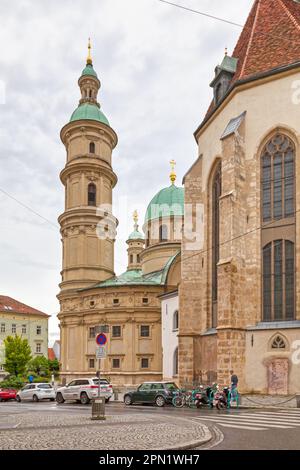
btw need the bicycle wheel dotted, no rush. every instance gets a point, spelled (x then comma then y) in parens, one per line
(191, 403)
(178, 401)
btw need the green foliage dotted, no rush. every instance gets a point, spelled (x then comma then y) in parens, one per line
(12, 382)
(39, 366)
(53, 365)
(17, 355)
(40, 379)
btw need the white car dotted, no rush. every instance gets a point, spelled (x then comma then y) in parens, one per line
(36, 392)
(84, 390)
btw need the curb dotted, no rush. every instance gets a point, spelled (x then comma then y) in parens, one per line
(192, 444)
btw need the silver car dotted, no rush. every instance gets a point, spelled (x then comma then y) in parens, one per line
(84, 390)
(36, 392)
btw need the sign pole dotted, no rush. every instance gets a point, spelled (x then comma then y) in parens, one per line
(99, 386)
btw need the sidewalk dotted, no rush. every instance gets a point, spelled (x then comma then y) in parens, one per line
(44, 431)
(267, 401)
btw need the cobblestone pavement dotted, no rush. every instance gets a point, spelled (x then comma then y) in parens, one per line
(54, 431)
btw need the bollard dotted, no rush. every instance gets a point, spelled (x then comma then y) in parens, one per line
(298, 401)
(98, 409)
(116, 394)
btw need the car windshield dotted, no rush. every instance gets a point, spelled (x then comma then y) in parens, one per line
(45, 386)
(171, 386)
(102, 382)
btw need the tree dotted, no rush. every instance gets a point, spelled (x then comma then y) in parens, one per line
(53, 365)
(39, 365)
(17, 355)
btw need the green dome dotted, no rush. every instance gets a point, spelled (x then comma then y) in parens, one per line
(89, 70)
(89, 111)
(169, 201)
(136, 235)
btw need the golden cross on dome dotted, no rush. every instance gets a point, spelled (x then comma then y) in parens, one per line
(89, 57)
(173, 174)
(226, 51)
(135, 218)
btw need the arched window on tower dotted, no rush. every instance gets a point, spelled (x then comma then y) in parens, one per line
(163, 233)
(278, 229)
(90, 93)
(92, 147)
(92, 192)
(216, 193)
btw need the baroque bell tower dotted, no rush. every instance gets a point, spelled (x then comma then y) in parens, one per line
(88, 179)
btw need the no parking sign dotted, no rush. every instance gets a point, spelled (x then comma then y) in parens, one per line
(101, 339)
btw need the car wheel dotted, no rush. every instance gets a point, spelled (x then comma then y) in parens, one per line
(84, 399)
(18, 399)
(60, 399)
(128, 400)
(35, 398)
(52, 399)
(0, 400)
(160, 401)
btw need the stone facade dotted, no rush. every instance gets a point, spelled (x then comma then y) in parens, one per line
(239, 270)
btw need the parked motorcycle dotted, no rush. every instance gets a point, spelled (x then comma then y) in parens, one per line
(222, 398)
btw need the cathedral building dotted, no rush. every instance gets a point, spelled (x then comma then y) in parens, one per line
(239, 296)
(91, 294)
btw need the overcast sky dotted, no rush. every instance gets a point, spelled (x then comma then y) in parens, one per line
(155, 63)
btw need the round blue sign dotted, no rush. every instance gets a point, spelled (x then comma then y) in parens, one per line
(101, 339)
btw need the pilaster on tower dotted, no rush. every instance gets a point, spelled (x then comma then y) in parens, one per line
(88, 179)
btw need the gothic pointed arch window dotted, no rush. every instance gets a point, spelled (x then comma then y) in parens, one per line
(278, 229)
(278, 343)
(216, 193)
(92, 193)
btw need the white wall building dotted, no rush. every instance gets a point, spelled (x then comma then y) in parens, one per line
(170, 323)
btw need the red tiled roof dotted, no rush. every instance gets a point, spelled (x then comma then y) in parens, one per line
(7, 304)
(51, 354)
(270, 39)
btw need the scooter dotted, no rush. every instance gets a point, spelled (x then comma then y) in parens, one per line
(222, 398)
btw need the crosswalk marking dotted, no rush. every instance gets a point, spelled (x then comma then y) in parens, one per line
(247, 422)
(252, 428)
(258, 421)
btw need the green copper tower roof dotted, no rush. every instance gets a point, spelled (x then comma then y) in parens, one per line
(167, 202)
(89, 111)
(136, 235)
(89, 70)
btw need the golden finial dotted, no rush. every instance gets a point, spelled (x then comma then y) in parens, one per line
(173, 174)
(89, 57)
(226, 51)
(135, 217)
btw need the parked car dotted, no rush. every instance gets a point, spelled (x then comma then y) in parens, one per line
(157, 393)
(7, 394)
(36, 392)
(84, 390)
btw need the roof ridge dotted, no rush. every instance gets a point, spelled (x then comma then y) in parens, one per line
(251, 38)
(289, 14)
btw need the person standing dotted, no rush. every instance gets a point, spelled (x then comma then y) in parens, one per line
(234, 379)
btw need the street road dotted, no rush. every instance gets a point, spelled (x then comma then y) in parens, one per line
(232, 429)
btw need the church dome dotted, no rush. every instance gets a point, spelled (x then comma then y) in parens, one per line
(89, 111)
(167, 202)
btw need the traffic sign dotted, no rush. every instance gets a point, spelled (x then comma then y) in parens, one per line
(100, 352)
(101, 339)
